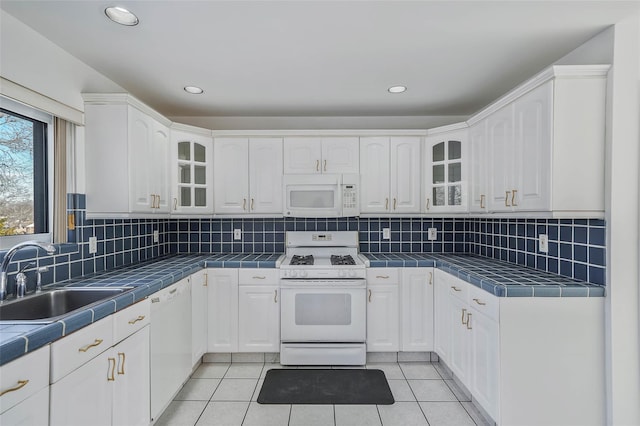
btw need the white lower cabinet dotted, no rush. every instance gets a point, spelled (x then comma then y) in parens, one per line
(24, 390)
(383, 321)
(416, 290)
(223, 310)
(258, 311)
(199, 315)
(510, 351)
(109, 387)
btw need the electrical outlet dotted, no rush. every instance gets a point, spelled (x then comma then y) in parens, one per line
(386, 233)
(432, 234)
(237, 234)
(156, 237)
(93, 245)
(543, 243)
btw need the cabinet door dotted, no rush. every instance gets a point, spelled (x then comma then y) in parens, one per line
(265, 175)
(405, 175)
(302, 155)
(500, 136)
(231, 175)
(192, 171)
(442, 308)
(33, 411)
(480, 169)
(374, 175)
(532, 180)
(84, 396)
(383, 328)
(259, 318)
(417, 309)
(199, 315)
(340, 155)
(484, 362)
(445, 170)
(459, 338)
(159, 173)
(141, 160)
(223, 310)
(131, 390)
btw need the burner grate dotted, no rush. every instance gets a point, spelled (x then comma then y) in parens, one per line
(301, 260)
(342, 260)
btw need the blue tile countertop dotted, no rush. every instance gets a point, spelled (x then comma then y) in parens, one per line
(146, 278)
(499, 278)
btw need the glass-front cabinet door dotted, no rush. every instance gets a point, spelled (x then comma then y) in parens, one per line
(192, 155)
(445, 172)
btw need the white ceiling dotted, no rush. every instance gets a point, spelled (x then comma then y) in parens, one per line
(320, 58)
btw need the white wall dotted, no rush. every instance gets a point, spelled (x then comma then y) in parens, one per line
(597, 50)
(623, 221)
(30, 60)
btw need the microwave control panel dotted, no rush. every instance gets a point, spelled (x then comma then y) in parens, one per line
(349, 198)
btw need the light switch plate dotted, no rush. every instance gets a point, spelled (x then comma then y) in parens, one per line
(156, 236)
(432, 234)
(237, 234)
(543, 243)
(386, 233)
(93, 245)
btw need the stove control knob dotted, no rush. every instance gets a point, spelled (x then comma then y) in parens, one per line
(303, 274)
(342, 273)
(294, 273)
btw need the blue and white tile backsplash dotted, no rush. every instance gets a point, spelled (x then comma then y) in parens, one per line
(576, 247)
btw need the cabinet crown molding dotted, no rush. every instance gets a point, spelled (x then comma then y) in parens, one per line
(550, 73)
(449, 128)
(191, 129)
(124, 99)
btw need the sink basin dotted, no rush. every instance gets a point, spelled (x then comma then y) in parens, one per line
(49, 305)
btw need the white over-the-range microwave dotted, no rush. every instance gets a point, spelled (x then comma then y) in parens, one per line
(322, 195)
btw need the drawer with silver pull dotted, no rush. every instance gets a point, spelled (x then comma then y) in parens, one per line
(484, 302)
(23, 377)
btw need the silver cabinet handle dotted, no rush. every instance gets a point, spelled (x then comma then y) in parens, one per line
(513, 198)
(252, 204)
(244, 204)
(275, 296)
(325, 165)
(384, 277)
(395, 203)
(317, 165)
(427, 204)
(430, 278)
(259, 277)
(369, 295)
(175, 204)
(482, 201)
(506, 199)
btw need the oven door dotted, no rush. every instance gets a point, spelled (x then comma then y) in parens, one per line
(323, 314)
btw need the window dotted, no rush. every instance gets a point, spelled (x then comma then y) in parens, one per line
(24, 174)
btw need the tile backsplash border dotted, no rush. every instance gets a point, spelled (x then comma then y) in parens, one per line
(576, 246)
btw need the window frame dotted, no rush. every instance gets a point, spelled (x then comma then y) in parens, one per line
(18, 108)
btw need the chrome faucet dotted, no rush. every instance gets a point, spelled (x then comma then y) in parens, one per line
(49, 248)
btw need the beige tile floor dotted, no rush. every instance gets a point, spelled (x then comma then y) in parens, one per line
(225, 394)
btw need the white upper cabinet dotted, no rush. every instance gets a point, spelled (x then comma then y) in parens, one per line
(313, 155)
(540, 147)
(390, 174)
(445, 172)
(248, 175)
(478, 182)
(192, 173)
(126, 158)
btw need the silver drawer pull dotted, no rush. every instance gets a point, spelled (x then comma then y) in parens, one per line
(173, 291)
(155, 300)
(90, 345)
(384, 277)
(455, 288)
(257, 277)
(133, 321)
(479, 302)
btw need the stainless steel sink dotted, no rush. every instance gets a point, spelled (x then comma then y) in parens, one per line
(49, 305)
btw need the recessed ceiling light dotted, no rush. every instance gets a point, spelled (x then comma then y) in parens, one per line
(121, 16)
(194, 90)
(397, 89)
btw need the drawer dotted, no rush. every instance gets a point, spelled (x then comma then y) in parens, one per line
(258, 276)
(76, 349)
(484, 303)
(458, 288)
(130, 320)
(383, 276)
(24, 377)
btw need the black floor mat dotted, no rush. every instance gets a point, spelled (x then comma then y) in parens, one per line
(325, 386)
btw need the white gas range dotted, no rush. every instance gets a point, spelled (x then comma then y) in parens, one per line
(323, 305)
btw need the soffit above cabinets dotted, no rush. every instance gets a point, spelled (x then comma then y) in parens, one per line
(315, 58)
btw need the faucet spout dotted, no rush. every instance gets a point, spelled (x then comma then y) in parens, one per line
(4, 267)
